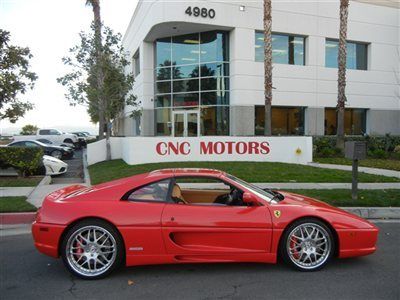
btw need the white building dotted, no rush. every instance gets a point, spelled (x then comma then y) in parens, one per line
(199, 68)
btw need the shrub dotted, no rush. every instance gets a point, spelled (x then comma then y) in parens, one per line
(25, 160)
(377, 146)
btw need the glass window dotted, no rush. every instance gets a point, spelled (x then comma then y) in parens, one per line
(214, 69)
(354, 121)
(154, 192)
(185, 49)
(44, 132)
(163, 101)
(163, 121)
(215, 120)
(163, 52)
(163, 87)
(136, 63)
(187, 99)
(285, 120)
(214, 84)
(186, 85)
(213, 46)
(215, 98)
(286, 49)
(163, 73)
(357, 57)
(190, 71)
(31, 145)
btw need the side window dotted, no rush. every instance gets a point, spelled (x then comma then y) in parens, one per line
(44, 132)
(53, 132)
(157, 191)
(201, 190)
(31, 144)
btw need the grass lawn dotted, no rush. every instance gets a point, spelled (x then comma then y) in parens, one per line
(365, 197)
(249, 171)
(15, 204)
(390, 164)
(17, 182)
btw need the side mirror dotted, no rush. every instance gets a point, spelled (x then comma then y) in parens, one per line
(249, 198)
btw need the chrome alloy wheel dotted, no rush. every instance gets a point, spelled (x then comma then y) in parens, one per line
(91, 250)
(308, 246)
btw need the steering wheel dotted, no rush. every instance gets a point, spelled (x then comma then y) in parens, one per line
(233, 198)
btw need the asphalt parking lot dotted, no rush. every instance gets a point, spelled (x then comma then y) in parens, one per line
(26, 274)
(74, 173)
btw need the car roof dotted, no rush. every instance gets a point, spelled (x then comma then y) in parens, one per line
(187, 172)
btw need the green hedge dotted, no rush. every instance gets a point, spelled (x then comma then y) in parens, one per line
(377, 146)
(25, 160)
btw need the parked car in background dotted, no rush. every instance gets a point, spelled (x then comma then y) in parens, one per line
(67, 146)
(54, 166)
(86, 135)
(55, 151)
(53, 135)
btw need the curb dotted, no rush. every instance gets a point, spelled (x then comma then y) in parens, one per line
(17, 218)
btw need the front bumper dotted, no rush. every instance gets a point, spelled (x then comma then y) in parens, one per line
(357, 242)
(46, 238)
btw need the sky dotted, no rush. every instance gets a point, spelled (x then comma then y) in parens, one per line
(49, 28)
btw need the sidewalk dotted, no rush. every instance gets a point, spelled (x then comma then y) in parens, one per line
(41, 191)
(374, 171)
(16, 191)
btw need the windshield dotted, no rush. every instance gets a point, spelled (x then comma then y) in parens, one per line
(265, 195)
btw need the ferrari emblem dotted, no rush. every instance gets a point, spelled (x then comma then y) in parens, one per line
(277, 213)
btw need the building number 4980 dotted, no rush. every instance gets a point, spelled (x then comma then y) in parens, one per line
(200, 12)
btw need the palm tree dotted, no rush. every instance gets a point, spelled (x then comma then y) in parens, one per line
(342, 57)
(95, 4)
(267, 65)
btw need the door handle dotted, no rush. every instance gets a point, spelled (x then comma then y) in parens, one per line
(172, 219)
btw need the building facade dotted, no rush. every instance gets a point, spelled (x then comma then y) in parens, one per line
(199, 69)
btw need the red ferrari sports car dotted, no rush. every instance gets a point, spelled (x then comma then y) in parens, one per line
(193, 216)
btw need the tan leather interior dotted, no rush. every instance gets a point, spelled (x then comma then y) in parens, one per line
(177, 193)
(201, 196)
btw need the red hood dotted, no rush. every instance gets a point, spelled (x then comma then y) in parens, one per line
(296, 199)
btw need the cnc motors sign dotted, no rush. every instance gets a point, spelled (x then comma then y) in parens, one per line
(142, 150)
(213, 148)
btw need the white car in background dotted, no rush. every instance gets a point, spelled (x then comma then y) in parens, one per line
(54, 166)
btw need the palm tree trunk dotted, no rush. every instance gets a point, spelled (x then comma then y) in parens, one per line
(342, 57)
(267, 66)
(99, 71)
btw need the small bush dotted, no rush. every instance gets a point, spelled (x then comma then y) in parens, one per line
(25, 160)
(378, 153)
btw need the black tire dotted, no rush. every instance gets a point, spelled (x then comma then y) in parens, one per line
(120, 251)
(286, 242)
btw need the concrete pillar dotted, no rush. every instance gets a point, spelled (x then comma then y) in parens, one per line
(314, 121)
(147, 122)
(242, 120)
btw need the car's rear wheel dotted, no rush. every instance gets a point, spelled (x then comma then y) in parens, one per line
(92, 249)
(56, 154)
(307, 245)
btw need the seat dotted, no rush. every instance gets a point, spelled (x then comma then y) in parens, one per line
(177, 194)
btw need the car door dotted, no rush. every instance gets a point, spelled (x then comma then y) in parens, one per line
(193, 230)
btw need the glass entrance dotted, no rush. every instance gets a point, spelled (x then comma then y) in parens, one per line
(185, 123)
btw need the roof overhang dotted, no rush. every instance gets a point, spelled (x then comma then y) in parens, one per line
(178, 28)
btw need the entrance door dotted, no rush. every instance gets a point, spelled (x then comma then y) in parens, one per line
(185, 123)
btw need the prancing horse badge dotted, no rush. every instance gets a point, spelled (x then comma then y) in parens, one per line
(277, 213)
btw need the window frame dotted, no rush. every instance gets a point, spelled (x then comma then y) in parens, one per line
(366, 44)
(294, 35)
(351, 109)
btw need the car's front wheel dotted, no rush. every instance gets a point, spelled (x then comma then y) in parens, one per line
(92, 249)
(307, 245)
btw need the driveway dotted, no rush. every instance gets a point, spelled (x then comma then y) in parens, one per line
(75, 170)
(26, 274)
